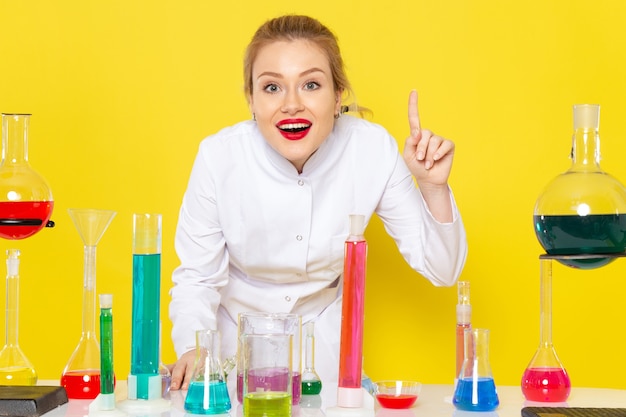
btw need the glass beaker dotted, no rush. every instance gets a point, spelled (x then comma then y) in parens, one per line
(475, 390)
(311, 382)
(272, 323)
(583, 210)
(545, 379)
(207, 393)
(267, 374)
(15, 368)
(25, 198)
(81, 376)
(145, 380)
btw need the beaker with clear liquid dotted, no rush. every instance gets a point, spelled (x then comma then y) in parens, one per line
(475, 389)
(81, 376)
(545, 378)
(15, 368)
(207, 393)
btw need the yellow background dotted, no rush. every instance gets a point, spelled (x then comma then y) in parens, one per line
(122, 92)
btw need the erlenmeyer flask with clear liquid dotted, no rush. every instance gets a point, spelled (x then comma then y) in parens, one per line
(545, 378)
(25, 198)
(15, 368)
(583, 210)
(81, 376)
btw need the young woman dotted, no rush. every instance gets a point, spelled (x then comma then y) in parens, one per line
(266, 212)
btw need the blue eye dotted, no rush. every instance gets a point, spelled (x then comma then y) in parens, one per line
(271, 88)
(311, 85)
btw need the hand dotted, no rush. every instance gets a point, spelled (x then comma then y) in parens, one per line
(428, 156)
(181, 371)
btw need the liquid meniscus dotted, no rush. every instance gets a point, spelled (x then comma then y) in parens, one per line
(479, 395)
(311, 387)
(35, 216)
(577, 235)
(271, 380)
(267, 404)
(396, 401)
(81, 385)
(546, 384)
(214, 400)
(18, 375)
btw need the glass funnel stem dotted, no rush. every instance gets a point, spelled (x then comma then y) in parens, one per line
(89, 292)
(546, 303)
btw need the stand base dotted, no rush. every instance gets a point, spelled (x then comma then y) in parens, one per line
(23, 400)
(349, 412)
(104, 406)
(144, 407)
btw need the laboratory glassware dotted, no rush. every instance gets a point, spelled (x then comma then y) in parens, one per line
(145, 381)
(545, 378)
(267, 378)
(15, 368)
(26, 201)
(107, 373)
(311, 382)
(207, 393)
(270, 323)
(463, 321)
(81, 375)
(475, 389)
(349, 393)
(583, 210)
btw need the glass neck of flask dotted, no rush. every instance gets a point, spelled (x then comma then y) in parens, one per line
(15, 138)
(586, 150)
(546, 303)
(13, 293)
(89, 292)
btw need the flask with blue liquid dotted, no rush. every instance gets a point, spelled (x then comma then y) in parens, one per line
(475, 388)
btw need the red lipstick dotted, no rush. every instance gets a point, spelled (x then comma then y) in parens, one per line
(294, 129)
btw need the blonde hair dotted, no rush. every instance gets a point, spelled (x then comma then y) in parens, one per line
(298, 27)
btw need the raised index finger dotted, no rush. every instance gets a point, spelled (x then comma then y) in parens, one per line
(414, 118)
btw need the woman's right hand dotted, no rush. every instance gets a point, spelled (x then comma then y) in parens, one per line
(181, 371)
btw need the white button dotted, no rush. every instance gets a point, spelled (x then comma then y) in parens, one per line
(287, 298)
(300, 182)
(298, 237)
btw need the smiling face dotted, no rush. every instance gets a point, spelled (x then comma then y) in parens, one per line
(293, 98)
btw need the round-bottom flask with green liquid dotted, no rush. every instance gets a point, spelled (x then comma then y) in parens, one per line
(583, 210)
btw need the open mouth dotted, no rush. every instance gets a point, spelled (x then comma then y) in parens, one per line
(294, 130)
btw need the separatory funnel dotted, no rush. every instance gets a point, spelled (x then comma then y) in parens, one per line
(81, 376)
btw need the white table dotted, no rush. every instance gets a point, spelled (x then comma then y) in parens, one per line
(434, 401)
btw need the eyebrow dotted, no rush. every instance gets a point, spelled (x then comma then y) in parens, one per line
(277, 75)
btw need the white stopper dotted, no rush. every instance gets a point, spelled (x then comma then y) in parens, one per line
(586, 116)
(357, 224)
(106, 300)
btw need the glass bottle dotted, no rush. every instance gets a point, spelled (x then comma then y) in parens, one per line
(145, 381)
(349, 393)
(545, 379)
(583, 210)
(463, 321)
(15, 368)
(475, 390)
(25, 198)
(207, 393)
(81, 376)
(311, 382)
